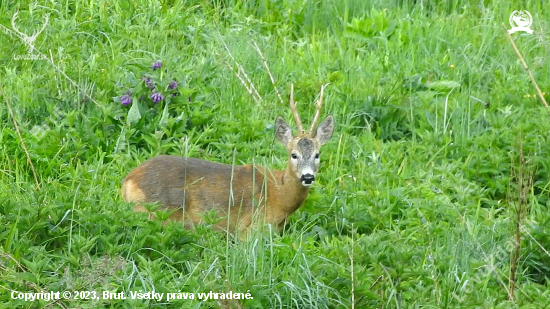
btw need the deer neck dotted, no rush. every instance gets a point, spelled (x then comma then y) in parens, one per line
(290, 193)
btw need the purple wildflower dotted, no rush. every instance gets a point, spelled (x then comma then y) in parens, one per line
(126, 100)
(157, 65)
(157, 97)
(173, 85)
(148, 82)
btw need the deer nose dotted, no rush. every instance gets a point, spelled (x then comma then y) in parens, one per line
(307, 179)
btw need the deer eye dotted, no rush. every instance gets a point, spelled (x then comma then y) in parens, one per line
(317, 156)
(294, 156)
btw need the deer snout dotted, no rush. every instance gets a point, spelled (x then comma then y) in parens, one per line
(307, 179)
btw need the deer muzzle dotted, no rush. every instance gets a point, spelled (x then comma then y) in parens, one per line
(307, 179)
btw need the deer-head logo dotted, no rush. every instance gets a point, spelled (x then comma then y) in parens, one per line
(28, 40)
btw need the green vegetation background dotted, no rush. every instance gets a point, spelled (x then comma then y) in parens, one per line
(416, 201)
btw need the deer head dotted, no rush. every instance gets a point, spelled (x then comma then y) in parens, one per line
(303, 148)
(28, 40)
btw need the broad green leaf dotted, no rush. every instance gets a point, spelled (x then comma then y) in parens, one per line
(165, 115)
(133, 114)
(443, 85)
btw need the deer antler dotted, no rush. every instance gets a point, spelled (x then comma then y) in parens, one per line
(47, 18)
(23, 35)
(28, 40)
(295, 111)
(318, 105)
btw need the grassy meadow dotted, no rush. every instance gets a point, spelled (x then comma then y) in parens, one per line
(434, 191)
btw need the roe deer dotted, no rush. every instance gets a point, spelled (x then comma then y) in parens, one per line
(241, 194)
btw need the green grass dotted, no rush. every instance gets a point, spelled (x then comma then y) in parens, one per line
(417, 191)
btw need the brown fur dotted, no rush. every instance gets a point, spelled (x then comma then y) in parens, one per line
(236, 193)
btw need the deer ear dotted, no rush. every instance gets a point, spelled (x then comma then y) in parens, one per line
(283, 132)
(324, 130)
